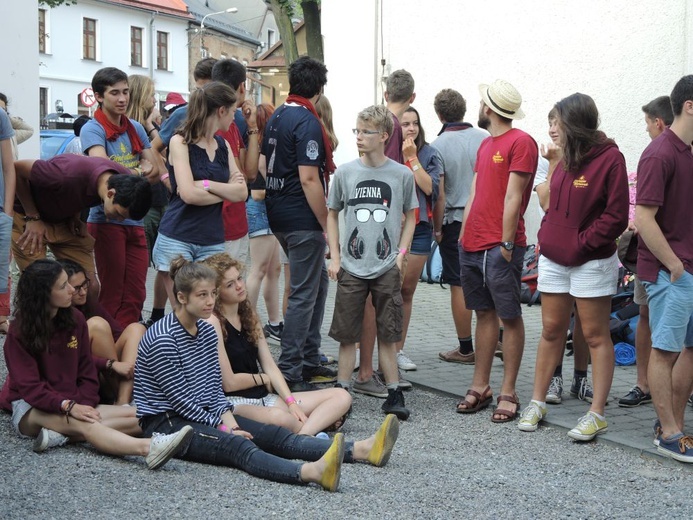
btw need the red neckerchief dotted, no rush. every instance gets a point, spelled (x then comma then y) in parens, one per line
(113, 131)
(329, 161)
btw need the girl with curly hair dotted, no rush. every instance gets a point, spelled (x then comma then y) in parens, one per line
(263, 396)
(51, 388)
(178, 383)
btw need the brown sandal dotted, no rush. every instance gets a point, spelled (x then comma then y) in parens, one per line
(482, 401)
(506, 415)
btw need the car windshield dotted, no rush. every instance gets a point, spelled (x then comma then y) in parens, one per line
(51, 144)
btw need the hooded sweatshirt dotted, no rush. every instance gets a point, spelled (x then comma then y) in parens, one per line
(588, 209)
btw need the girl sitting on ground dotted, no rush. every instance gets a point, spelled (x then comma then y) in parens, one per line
(113, 349)
(263, 397)
(178, 383)
(51, 388)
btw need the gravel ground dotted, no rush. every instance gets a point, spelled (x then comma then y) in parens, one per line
(444, 465)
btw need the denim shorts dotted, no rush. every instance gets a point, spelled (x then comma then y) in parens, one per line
(258, 225)
(423, 237)
(168, 249)
(671, 311)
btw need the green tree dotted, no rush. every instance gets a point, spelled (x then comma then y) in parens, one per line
(284, 11)
(56, 3)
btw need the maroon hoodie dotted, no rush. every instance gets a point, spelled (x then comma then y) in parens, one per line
(64, 371)
(588, 210)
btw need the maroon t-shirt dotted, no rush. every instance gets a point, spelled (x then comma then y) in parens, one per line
(66, 184)
(393, 148)
(665, 179)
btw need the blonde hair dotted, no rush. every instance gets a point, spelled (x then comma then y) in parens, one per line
(324, 110)
(141, 92)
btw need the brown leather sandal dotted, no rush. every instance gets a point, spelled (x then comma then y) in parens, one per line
(482, 401)
(506, 415)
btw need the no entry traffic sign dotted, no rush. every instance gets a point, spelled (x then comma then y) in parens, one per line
(87, 97)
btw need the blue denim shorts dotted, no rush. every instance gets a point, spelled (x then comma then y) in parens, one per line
(167, 249)
(258, 225)
(423, 237)
(671, 311)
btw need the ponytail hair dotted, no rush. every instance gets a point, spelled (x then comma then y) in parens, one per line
(203, 103)
(186, 274)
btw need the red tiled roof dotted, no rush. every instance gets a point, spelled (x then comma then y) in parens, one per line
(172, 7)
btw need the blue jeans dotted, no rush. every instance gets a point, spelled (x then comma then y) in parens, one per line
(5, 243)
(264, 456)
(307, 294)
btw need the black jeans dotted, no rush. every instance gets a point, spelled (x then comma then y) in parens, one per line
(264, 456)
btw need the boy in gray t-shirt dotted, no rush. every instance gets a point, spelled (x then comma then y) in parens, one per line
(375, 191)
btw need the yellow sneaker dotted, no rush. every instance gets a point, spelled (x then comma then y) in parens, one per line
(385, 439)
(588, 427)
(333, 457)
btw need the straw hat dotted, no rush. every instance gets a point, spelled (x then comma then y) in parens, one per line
(504, 99)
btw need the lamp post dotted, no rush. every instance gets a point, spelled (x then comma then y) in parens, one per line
(202, 23)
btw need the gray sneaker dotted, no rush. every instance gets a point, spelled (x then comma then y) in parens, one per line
(403, 383)
(163, 447)
(555, 393)
(373, 387)
(582, 389)
(48, 439)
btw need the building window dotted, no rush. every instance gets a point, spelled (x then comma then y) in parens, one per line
(161, 50)
(271, 38)
(89, 37)
(42, 31)
(136, 46)
(43, 104)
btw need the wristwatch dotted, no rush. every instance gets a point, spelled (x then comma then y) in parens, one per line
(508, 246)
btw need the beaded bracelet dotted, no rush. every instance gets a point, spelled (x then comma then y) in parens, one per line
(68, 409)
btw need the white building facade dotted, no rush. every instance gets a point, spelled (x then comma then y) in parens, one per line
(77, 40)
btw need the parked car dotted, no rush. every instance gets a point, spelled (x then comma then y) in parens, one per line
(53, 142)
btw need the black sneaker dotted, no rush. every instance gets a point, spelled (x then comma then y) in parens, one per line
(301, 386)
(273, 331)
(395, 404)
(634, 398)
(319, 374)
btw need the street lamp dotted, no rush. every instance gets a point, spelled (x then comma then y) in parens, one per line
(202, 23)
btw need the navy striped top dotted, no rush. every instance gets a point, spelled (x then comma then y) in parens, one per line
(178, 372)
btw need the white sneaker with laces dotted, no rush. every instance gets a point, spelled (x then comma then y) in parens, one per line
(531, 417)
(403, 361)
(163, 447)
(48, 439)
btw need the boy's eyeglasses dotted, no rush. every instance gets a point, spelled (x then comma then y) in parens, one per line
(365, 132)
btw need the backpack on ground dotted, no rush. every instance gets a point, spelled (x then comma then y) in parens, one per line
(529, 293)
(433, 269)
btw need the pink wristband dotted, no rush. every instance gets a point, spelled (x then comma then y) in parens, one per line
(403, 250)
(163, 177)
(205, 184)
(223, 428)
(290, 400)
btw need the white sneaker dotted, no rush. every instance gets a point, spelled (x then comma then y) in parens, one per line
(163, 447)
(403, 361)
(48, 439)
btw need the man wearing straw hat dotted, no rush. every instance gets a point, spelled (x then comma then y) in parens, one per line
(493, 243)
